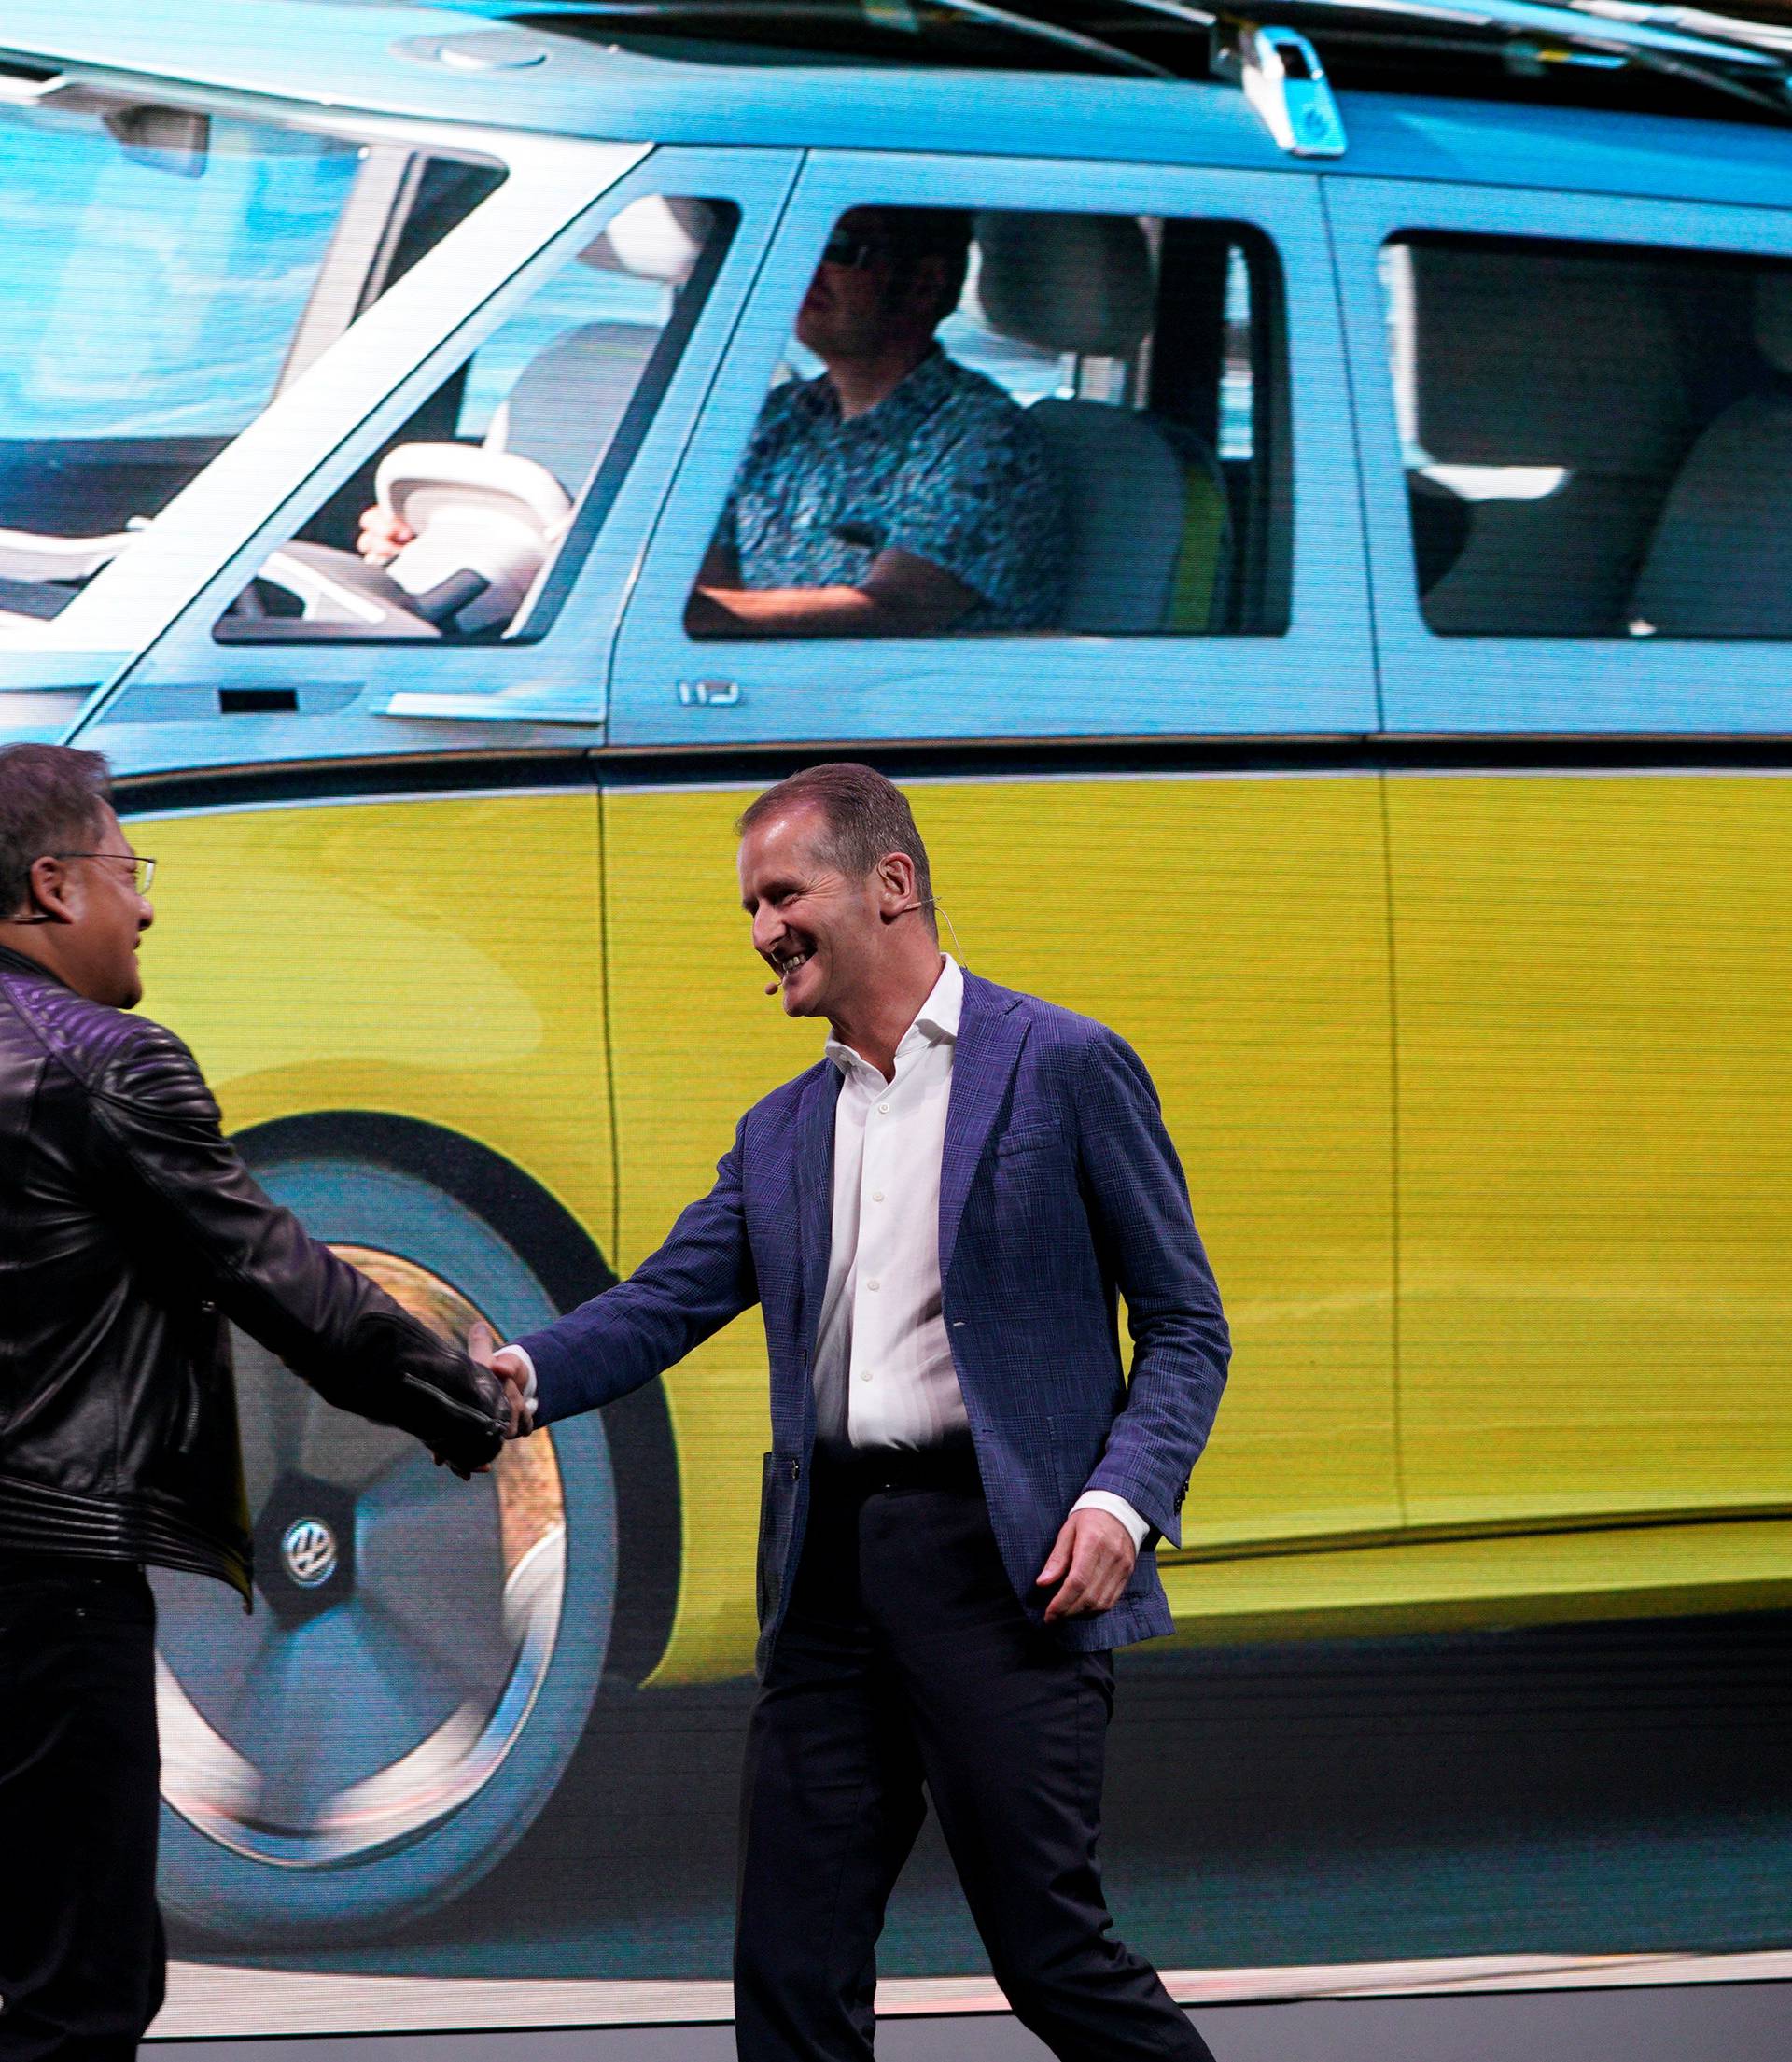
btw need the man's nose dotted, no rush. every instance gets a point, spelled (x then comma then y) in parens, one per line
(767, 930)
(146, 912)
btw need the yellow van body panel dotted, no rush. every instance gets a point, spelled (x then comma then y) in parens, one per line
(1583, 992)
(1235, 931)
(438, 959)
(1596, 1144)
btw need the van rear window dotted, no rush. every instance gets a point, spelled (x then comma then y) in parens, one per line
(1597, 438)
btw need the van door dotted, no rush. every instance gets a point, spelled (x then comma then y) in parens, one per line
(1576, 441)
(1168, 337)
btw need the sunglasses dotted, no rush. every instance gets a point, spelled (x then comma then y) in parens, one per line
(855, 252)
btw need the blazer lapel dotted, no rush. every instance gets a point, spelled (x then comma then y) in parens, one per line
(990, 1036)
(815, 1198)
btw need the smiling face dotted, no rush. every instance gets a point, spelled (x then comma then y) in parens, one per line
(826, 935)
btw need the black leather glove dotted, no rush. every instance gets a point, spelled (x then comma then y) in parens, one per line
(460, 1411)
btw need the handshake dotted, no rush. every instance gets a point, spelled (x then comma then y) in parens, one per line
(463, 1401)
(512, 1368)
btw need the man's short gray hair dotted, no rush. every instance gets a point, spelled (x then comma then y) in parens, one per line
(51, 799)
(866, 819)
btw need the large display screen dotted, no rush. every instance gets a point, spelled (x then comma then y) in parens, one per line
(1347, 657)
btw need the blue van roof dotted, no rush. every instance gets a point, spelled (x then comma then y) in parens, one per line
(380, 59)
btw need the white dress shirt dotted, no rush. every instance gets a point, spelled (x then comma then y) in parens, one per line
(884, 1375)
(883, 1372)
(883, 1366)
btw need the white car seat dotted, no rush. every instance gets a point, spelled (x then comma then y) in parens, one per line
(1083, 284)
(488, 518)
(568, 399)
(1720, 562)
(1571, 363)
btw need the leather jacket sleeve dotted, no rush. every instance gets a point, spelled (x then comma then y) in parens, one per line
(180, 1196)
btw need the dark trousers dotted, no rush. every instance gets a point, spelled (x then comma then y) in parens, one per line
(82, 1956)
(906, 1661)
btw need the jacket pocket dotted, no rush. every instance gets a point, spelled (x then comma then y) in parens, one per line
(1030, 1138)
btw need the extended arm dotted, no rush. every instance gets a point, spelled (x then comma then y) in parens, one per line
(182, 1197)
(700, 1278)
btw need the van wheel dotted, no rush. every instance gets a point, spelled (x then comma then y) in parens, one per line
(424, 1652)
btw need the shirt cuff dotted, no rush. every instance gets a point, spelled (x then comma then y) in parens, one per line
(1101, 1499)
(526, 1412)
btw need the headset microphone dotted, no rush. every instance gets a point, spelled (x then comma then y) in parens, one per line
(933, 902)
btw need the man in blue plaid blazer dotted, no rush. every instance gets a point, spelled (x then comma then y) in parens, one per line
(964, 1486)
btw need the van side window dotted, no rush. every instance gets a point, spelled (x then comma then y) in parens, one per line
(468, 523)
(1597, 438)
(1021, 423)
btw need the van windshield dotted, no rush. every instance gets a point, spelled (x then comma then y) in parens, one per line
(165, 272)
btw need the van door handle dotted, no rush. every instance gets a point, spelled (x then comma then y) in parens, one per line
(710, 694)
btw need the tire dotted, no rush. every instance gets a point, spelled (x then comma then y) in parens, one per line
(424, 1652)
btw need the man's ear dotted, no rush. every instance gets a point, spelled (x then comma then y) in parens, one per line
(895, 885)
(50, 893)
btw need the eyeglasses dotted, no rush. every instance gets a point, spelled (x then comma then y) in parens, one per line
(855, 252)
(142, 871)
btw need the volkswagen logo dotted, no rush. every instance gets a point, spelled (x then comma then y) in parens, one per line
(308, 1547)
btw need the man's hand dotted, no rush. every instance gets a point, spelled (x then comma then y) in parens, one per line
(1091, 1563)
(508, 1366)
(383, 537)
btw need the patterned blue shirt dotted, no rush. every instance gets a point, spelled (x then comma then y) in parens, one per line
(946, 467)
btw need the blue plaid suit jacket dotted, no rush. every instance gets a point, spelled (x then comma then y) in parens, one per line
(1060, 1190)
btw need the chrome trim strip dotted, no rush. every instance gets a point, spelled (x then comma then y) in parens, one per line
(1466, 1531)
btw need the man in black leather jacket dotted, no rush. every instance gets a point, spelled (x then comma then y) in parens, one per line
(130, 1234)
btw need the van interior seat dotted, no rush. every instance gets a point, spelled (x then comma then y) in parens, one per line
(1581, 370)
(1084, 284)
(1720, 562)
(578, 385)
(559, 417)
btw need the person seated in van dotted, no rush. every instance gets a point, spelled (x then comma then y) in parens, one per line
(898, 493)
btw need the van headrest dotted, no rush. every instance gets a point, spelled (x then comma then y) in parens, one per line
(654, 238)
(1773, 317)
(1554, 360)
(1065, 282)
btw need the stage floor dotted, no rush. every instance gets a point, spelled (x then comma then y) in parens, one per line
(209, 2003)
(1727, 2021)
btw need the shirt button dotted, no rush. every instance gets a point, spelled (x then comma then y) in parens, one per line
(883, 1109)
(864, 1374)
(876, 1195)
(873, 1284)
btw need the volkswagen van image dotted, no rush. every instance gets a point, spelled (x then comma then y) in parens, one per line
(1396, 755)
